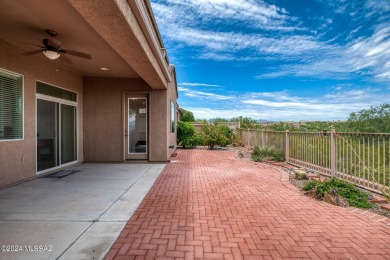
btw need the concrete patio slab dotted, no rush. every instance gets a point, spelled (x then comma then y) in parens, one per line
(76, 217)
(95, 242)
(57, 236)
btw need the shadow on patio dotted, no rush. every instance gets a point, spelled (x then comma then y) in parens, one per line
(76, 217)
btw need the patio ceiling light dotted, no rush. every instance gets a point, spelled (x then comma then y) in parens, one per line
(51, 54)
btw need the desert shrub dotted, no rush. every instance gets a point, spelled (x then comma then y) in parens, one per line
(186, 135)
(260, 154)
(354, 196)
(215, 135)
(309, 185)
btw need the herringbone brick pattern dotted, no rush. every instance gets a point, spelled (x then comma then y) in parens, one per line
(212, 205)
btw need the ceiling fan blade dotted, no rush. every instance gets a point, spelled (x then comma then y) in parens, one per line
(27, 43)
(65, 60)
(29, 53)
(77, 54)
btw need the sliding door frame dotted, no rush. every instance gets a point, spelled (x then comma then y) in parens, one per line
(60, 102)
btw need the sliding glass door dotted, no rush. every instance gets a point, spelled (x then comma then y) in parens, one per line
(56, 134)
(68, 134)
(47, 135)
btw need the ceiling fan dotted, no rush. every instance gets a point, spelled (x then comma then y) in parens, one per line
(52, 49)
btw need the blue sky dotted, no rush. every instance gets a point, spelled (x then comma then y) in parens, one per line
(278, 60)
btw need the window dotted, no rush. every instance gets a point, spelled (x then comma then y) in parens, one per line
(48, 90)
(172, 117)
(11, 106)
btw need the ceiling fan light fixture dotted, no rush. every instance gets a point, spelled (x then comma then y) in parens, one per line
(51, 54)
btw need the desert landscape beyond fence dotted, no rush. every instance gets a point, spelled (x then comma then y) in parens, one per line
(360, 158)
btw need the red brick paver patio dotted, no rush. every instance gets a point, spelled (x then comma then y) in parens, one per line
(212, 205)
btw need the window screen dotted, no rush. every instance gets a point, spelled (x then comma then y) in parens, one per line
(11, 110)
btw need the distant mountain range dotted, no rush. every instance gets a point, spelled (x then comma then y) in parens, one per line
(262, 121)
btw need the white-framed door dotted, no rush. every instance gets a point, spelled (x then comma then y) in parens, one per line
(136, 127)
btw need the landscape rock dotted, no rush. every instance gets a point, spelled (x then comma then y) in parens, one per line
(312, 194)
(377, 199)
(386, 207)
(300, 175)
(335, 199)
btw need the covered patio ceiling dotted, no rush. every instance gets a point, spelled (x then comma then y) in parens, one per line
(24, 24)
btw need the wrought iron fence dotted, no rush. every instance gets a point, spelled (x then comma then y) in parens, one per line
(360, 158)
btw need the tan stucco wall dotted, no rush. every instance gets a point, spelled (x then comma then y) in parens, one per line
(116, 23)
(158, 126)
(103, 118)
(18, 158)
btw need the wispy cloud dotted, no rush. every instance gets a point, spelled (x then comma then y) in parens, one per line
(279, 43)
(193, 84)
(202, 94)
(369, 55)
(333, 103)
(269, 114)
(188, 22)
(235, 42)
(183, 22)
(377, 6)
(258, 12)
(280, 105)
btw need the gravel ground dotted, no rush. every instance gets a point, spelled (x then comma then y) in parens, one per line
(297, 183)
(375, 209)
(245, 153)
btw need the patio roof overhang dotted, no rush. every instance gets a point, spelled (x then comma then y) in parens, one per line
(119, 35)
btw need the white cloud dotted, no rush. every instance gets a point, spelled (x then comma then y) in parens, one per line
(203, 95)
(234, 42)
(226, 57)
(369, 55)
(192, 23)
(266, 114)
(252, 30)
(377, 6)
(282, 106)
(258, 11)
(193, 84)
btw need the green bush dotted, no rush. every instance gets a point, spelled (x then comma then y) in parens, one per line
(354, 196)
(215, 135)
(309, 185)
(186, 135)
(260, 154)
(187, 116)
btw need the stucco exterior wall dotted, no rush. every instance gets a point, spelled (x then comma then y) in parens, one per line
(104, 118)
(158, 126)
(18, 158)
(116, 23)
